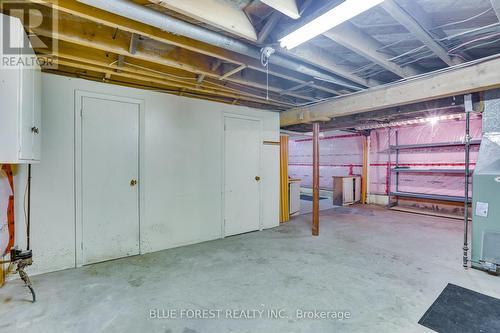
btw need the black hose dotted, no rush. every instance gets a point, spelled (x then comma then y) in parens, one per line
(32, 292)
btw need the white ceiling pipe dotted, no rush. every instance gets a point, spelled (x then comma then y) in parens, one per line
(167, 23)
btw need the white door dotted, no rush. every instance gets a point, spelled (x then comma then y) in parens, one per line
(242, 143)
(109, 170)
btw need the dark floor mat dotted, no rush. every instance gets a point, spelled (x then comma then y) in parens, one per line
(459, 310)
(309, 197)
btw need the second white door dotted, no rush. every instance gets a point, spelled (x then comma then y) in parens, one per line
(242, 141)
(110, 173)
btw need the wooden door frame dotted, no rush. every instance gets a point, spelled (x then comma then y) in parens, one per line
(223, 169)
(79, 96)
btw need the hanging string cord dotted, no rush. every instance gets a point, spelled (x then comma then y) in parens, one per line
(265, 54)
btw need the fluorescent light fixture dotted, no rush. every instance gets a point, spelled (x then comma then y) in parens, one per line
(336, 16)
(433, 120)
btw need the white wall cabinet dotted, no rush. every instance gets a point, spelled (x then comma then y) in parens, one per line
(20, 105)
(346, 190)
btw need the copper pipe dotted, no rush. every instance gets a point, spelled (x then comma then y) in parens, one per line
(315, 221)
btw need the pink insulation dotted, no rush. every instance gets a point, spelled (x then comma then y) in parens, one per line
(339, 155)
(342, 155)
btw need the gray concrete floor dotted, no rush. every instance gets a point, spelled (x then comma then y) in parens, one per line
(306, 206)
(384, 267)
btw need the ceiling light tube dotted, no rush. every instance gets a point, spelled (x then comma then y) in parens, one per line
(336, 16)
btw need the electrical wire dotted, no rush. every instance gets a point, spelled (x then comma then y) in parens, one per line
(432, 55)
(473, 41)
(481, 44)
(467, 32)
(407, 53)
(461, 21)
(363, 68)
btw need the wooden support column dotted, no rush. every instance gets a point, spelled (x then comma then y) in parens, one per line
(284, 195)
(315, 220)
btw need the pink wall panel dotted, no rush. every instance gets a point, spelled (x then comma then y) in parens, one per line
(342, 155)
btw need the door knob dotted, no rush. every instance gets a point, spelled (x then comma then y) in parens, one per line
(133, 182)
(257, 178)
(35, 130)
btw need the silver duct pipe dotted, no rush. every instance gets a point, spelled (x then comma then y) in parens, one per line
(167, 23)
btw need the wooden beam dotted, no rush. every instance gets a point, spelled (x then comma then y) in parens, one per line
(468, 78)
(104, 39)
(287, 7)
(134, 40)
(76, 72)
(216, 13)
(299, 86)
(259, 81)
(232, 72)
(121, 60)
(315, 214)
(351, 37)
(162, 82)
(118, 22)
(268, 27)
(414, 27)
(180, 59)
(199, 79)
(97, 58)
(496, 6)
(322, 58)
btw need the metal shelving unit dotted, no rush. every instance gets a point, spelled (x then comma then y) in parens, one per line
(435, 145)
(419, 170)
(398, 169)
(428, 196)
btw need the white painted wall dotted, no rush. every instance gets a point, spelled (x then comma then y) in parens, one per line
(182, 180)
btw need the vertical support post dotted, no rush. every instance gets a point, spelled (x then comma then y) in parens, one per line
(397, 163)
(364, 176)
(315, 221)
(389, 171)
(468, 110)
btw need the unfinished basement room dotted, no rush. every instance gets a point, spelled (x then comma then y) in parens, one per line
(250, 166)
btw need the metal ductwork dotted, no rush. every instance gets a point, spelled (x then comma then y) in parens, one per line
(176, 26)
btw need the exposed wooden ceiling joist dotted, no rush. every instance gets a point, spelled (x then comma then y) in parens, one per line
(415, 28)
(217, 13)
(458, 80)
(151, 65)
(269, 26)
(148, 77)
(287, 7)
(322, 58)
(118, 22)
(233, 71)
(443, 106)
(140, 84)
(349, 36)
(107, 40)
